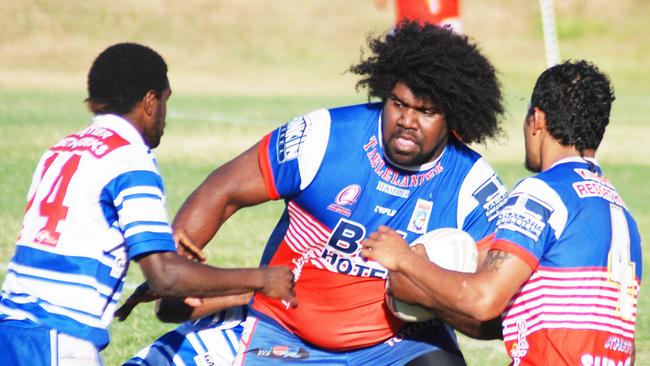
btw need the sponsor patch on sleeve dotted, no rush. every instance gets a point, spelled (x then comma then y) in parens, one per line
(291, 139)
(525, 214)
(491, 195)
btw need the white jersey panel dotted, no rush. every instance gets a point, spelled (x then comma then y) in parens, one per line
(315, 144)
(543, 195)
(480, 178)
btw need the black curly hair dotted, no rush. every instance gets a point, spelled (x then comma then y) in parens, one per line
(121, 76)
(439, 66)
(576, 98)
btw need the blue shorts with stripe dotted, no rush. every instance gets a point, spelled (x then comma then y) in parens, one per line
(264, 342)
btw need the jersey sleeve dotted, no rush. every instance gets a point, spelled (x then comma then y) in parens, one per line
(134, 203)
(531, 221)
(481, 196)
(290, 156)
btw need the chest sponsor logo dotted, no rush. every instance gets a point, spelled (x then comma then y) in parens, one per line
(390, 212)
(346, 197)
(342, 253)
(392, 176)
(392, 190)
(491, 195)
(291, 138)
(525, 214)
(420, 216)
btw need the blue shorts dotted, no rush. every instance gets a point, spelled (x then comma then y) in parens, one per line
(26, 343)
(264, 342)
(23, 342)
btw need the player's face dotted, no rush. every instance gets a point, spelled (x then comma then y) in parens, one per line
(414, 130)
(155, 129)
(533, 156)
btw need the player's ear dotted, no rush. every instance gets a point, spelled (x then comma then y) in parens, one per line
(150, 102)
(538, 119)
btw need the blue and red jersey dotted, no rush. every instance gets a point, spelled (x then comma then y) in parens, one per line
(571, 226)
(330, 168)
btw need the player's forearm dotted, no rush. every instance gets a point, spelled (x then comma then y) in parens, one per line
(449, 291)
(471, 327)
(171, 275)
(174, 310)
(405, 290)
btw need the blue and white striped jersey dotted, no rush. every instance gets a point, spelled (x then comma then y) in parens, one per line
(96, 201)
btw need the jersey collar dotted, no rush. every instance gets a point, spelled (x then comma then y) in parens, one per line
(119, 125)
(575, 159)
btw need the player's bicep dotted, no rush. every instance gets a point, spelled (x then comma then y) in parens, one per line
(236, 184)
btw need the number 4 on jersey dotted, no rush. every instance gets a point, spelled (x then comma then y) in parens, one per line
(51, 207)
(621, 268)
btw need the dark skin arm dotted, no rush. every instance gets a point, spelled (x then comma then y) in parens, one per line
(176, 310)
(237, 184)
(406, 290)
(482, 295)
(169, 274)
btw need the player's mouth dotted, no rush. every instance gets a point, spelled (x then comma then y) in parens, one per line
(405, 143)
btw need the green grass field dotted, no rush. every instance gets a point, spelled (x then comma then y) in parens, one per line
(240, 68)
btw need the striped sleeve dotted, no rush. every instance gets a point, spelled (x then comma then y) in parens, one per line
(138, 202)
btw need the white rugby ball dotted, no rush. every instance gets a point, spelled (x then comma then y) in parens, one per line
(449, 248)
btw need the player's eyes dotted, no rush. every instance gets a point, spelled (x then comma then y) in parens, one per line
(396, 102)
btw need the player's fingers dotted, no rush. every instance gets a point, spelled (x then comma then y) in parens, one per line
(292, 300)
(123, 312)
(370, 241)
(193, 301)
(192, 251)
(366, 252)
(384, 229)
(373, 236)
(419, 249)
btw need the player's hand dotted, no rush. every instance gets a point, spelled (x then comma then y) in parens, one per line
(387, 247)
(279, 283)
(187, 248)
(420, 250)
(142, 293)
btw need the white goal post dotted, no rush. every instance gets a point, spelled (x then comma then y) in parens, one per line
(550, 35)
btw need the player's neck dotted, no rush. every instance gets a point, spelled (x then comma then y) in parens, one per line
(554, 152)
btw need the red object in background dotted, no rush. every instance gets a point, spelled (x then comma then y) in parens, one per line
(441, 12)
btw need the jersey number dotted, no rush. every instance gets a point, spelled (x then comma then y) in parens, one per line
(621, 268)
(51, 206)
